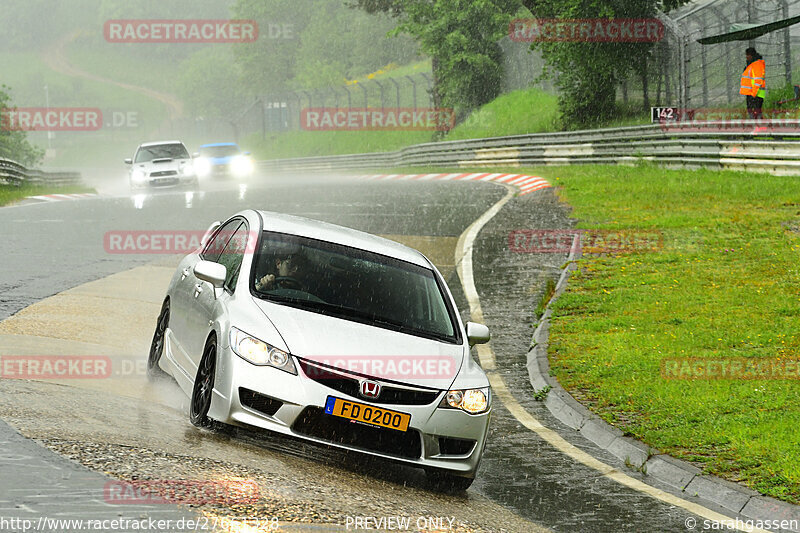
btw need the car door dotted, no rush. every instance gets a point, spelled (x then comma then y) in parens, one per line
(183, 320)
(209, 303)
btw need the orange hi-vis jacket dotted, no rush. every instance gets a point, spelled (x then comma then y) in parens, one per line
(753, 82)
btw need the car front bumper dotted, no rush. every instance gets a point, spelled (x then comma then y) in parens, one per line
(268, 398)
(164, 182)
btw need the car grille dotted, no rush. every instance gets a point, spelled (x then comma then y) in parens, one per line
(259, 402)
(163, 173)
(348, 383)
(313, 422)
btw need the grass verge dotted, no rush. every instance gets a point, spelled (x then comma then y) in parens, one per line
(317, 143)
(724, 285)
(11, 193)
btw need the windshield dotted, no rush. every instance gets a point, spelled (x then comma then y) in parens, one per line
(219, 151)
(352, 284)
(161, 151)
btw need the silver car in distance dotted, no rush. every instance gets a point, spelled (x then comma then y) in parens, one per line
(160, 165)
(328, 334)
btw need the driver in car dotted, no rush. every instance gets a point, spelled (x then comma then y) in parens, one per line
(285, 269)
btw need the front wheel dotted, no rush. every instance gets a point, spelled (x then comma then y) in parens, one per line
(204, 386)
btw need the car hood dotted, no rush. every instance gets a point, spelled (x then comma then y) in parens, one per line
(365, 349)
(159, 165)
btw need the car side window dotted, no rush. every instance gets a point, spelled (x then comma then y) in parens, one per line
(233, 255)
(217, 242)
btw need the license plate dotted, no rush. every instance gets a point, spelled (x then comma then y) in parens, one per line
(367, 414)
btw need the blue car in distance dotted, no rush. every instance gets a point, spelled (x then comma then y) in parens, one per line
(224, 160)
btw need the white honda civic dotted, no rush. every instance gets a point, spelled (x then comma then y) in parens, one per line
(328, 334)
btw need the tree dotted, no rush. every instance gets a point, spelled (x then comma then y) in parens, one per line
(208, 82)
(340, 43)
(589, 72)
(461, 37)
(329, 42)
(14, 145)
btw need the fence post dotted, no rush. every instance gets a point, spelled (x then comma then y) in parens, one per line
(349, 98)
(787, 46)
(397, 89)
(430, 87)
(380, 85)
(263, 119)
(413, 89)
(684, 73)
(366, 95)
(299, 108)
(705, 75)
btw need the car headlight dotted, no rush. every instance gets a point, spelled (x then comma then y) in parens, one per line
(139, 175)
(260, 353)
(187, 170)
(202, 166)
(472, 401)
(241, 165)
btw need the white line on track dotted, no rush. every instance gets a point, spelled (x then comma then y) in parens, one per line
(463, 260)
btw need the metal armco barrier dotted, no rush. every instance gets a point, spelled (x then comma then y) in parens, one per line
(12, 173)
(740, 145)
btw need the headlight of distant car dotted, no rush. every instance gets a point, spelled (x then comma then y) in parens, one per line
(138, 175)
(202, 166)
(260, 353)
(241, 165)
(473, 401)
(187, 169)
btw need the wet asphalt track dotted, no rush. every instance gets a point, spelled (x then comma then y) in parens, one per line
(49, 248)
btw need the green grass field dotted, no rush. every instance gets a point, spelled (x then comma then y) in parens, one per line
(514, 113)
(315, 143)
(10, 193)
(725, 285)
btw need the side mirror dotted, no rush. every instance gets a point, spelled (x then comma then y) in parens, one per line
(196, 154)
(247, 153)
(210, 231)
(477, 333)
(129, 161)
(214, 273)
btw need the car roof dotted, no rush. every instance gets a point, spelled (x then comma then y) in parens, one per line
(324, 231)
(217, 144)
(159, 142)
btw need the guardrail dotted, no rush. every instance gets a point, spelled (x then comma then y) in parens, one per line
(772, 146)
(12, 173)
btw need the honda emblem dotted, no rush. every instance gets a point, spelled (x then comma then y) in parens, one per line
(370, 389)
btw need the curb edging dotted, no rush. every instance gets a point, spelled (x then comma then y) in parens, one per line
(675, 473)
